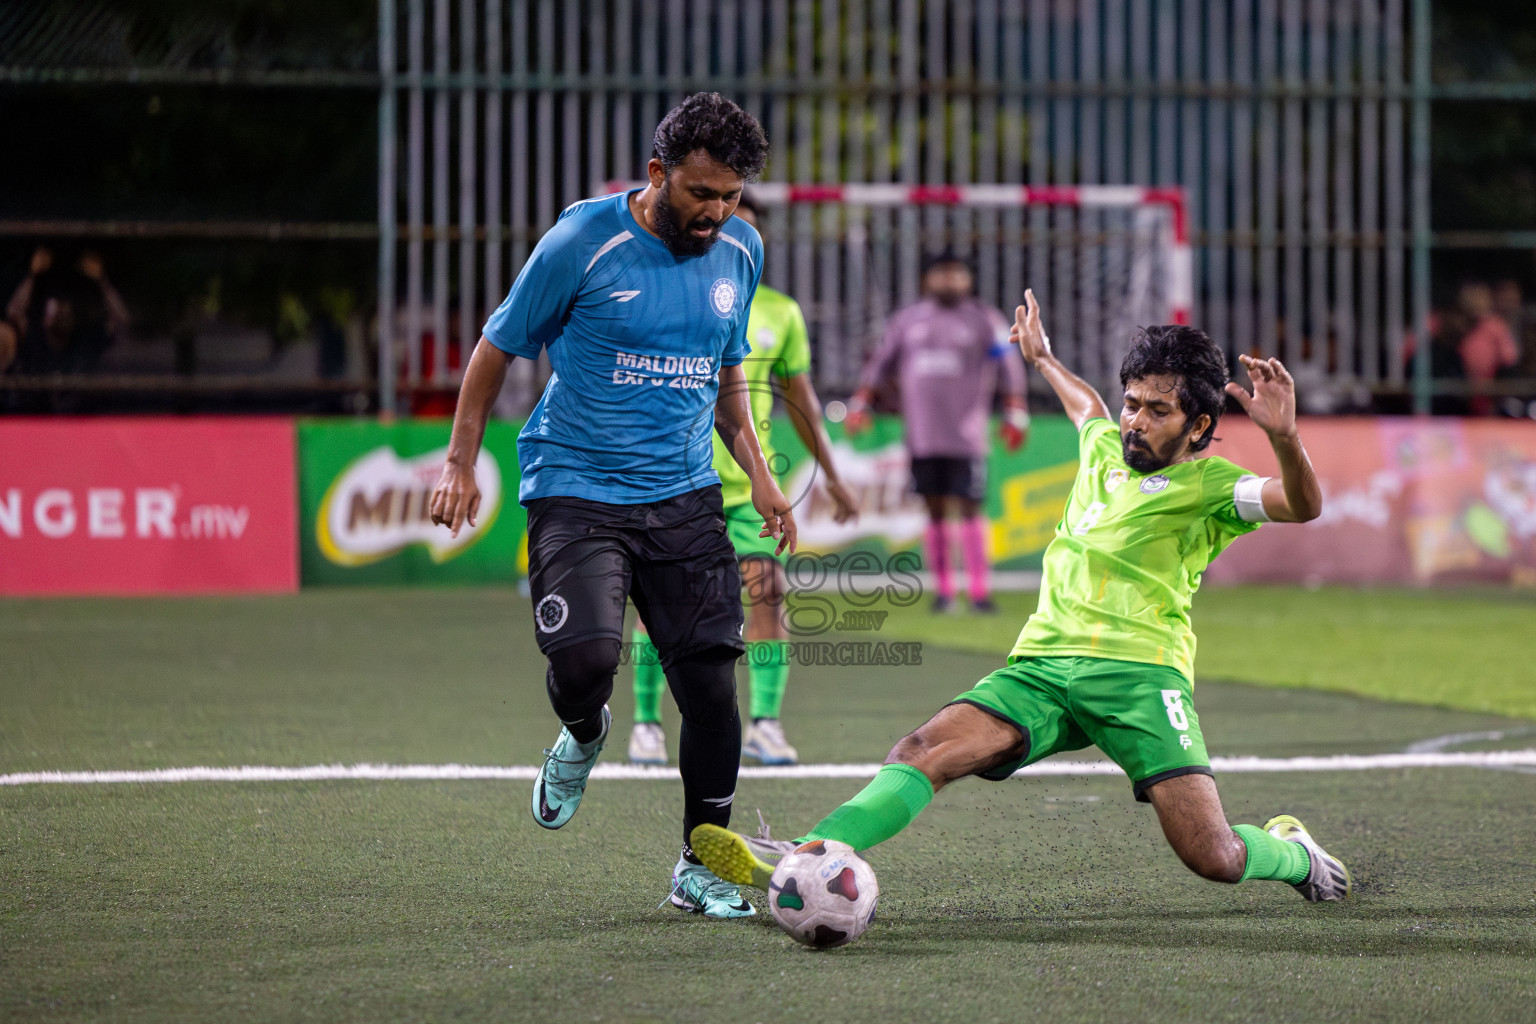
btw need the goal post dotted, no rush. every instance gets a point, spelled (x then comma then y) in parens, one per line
(1102, 259)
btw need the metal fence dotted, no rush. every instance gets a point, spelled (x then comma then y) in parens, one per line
(1294, 126)
(1299, 130)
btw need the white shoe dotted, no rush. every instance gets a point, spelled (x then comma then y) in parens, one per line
(765, 743)
(1327, 877)
(647, 744)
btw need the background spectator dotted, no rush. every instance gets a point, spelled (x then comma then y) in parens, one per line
(1488, 346)
(66, 316)
(949, 352)
(7, 345)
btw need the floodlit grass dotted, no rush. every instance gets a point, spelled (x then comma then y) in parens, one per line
(372, 901)
(1467, 649)
(435, 901)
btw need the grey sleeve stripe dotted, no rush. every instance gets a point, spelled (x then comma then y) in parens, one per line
(743, 248)
(616, 240)
(1248, 496)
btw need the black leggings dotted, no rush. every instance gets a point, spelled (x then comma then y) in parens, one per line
(580, 682)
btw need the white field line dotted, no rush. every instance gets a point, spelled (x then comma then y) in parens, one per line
(525, 773)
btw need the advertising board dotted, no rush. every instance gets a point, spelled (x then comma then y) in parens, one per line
(147, 506)
(364, 488)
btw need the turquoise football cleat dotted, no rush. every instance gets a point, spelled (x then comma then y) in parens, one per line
(698, 890)
(563, 779)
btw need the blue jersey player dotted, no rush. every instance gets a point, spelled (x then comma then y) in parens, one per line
(641, 301)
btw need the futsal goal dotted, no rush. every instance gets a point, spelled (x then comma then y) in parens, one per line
(1102, 259)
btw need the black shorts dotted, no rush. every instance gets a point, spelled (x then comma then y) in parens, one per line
(944, 475)
(672, 557)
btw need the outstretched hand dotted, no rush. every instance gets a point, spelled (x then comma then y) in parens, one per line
(1272, 404)
(1027, 333)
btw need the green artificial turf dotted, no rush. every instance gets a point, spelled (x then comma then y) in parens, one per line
(383, 901)
(439, 901)
(1467, 649)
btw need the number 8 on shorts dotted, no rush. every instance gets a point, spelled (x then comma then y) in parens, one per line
(1173, 700)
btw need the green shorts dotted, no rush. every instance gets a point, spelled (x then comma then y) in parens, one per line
(1142, 716)
(742, 526)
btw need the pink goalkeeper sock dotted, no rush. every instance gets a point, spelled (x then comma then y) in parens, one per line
(973, 533)
(937, 539)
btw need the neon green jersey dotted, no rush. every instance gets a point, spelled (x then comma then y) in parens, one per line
(780, 348)
(1128, 555)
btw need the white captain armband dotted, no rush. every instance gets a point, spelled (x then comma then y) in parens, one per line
(1248, 496)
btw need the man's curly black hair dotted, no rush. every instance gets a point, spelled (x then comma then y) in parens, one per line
(709, 121)
(1190, 356)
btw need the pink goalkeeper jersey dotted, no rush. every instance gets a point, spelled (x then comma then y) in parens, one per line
(946, 361)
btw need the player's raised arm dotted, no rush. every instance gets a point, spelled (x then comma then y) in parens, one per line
(733, 421)
(1078, 399)
(1294, 496)
(456, 498)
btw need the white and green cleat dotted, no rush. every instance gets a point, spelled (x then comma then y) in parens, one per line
(698, 890)
(563, 779)
(739, 859)
(1327, 879)
(765, 744)
(647, 744)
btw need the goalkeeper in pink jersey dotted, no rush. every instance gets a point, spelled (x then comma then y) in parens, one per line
(948, 353)
(1107, 659)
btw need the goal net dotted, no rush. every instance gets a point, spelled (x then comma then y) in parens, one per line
(1102, 260)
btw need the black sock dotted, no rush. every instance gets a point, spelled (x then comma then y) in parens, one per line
(708, 760)
(709, 743)
(586, 730)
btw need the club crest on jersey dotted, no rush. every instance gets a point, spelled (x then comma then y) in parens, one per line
(722, 297)
(1114, 478)
(1153, 484)
(551, 613)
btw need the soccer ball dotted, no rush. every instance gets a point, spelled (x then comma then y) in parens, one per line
(823, 894)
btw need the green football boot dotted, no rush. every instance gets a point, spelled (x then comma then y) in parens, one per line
(698, 890)
(1327, 878)
(563, 779)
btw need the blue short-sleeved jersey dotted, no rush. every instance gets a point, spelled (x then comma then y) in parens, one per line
(636, 337)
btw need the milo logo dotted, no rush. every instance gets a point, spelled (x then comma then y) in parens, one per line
(381, 503)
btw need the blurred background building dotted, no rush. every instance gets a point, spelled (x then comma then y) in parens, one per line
(215, 205)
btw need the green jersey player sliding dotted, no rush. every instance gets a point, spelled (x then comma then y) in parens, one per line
(1108, 656)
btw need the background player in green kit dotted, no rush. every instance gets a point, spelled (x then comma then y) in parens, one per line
(1108, 656)
(781, 352)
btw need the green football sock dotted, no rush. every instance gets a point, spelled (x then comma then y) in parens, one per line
(649, 679)
(1272, 858)
(767, 672)
(883, 808)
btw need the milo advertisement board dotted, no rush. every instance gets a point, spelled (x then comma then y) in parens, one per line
(364, 494)
(1026, 491)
